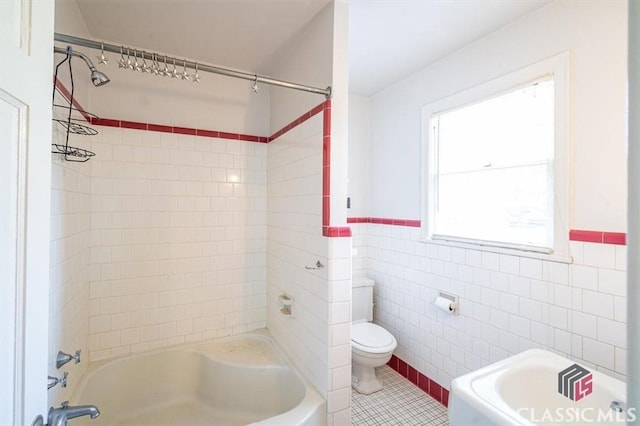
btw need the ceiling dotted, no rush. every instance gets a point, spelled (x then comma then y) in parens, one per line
(388, 39)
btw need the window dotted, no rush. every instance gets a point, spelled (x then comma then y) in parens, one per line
(496, 156)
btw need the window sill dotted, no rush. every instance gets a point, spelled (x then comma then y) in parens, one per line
(551, 257)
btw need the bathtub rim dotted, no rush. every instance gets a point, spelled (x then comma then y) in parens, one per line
(312, 404)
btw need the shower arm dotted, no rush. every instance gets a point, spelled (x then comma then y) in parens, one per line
(195, 65)
(76, 53)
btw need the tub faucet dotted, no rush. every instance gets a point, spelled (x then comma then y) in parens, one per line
(59, 416)
(618, 406)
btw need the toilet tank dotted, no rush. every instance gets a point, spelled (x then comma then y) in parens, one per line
(362, 299)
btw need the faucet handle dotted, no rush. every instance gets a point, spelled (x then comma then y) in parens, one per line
(63, 358)
(54, 381)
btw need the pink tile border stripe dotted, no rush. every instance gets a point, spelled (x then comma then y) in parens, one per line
(602, 237)
(124, 124)
(324, 107)
(385, 221)
(107, 122)
(427, 385)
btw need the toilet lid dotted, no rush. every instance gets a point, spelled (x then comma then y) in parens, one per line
(370, 335)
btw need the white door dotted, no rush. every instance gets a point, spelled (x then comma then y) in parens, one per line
(26, 57)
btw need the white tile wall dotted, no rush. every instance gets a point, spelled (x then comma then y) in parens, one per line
(178, 240)
(69, 251)
(161, 239)
(508, 304)
(317, 336)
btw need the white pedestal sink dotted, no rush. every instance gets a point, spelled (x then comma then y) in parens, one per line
(529, 389)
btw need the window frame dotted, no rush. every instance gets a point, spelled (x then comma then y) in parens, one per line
(556, 67)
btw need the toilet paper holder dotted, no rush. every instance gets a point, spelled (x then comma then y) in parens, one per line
(447, 302)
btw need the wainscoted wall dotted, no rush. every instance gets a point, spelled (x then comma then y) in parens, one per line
(317, 337)
(507, 304)
(178, 240)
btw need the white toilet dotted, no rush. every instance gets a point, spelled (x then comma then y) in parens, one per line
(371, 345)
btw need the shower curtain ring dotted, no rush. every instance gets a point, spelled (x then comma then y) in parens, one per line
(255, 87)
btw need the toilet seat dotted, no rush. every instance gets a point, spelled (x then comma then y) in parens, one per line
(372, 338)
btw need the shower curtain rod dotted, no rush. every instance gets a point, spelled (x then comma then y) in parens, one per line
(192, 65)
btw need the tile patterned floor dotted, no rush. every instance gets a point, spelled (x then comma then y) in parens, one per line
(399, 403)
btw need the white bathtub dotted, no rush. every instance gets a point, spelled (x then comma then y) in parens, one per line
(524, 390)
(233, 381)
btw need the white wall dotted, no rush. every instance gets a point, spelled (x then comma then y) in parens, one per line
(507, 303)
(359, 137)
(307, 59)
(594, 33)
(216, 103)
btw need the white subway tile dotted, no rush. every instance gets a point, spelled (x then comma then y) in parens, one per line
(531, 268)
(583, 324)
(519, 286)
(612, 282)
(576, 249)
(540, 291)
(490, 261)
(620, 308)
(621, 258)
(530, 309)
(473, 258)
(597, 303)
(598, 353)
(621, 361)
(520, 326)
(584, 277)
(509, 264)
(562, 295)
(600, 255)
(562, 341)
(612, 332)
(556, 272)
(557, 316)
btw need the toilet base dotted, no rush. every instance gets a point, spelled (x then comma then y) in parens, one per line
(364, 380)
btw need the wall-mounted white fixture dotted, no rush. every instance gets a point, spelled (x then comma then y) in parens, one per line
(286, 303)
(447, 303)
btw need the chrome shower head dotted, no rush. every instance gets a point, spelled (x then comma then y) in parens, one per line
(98, 77)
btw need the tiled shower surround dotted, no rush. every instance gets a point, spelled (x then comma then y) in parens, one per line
(187, 238)
(178, 239)
(70, 256)
(507, 304)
